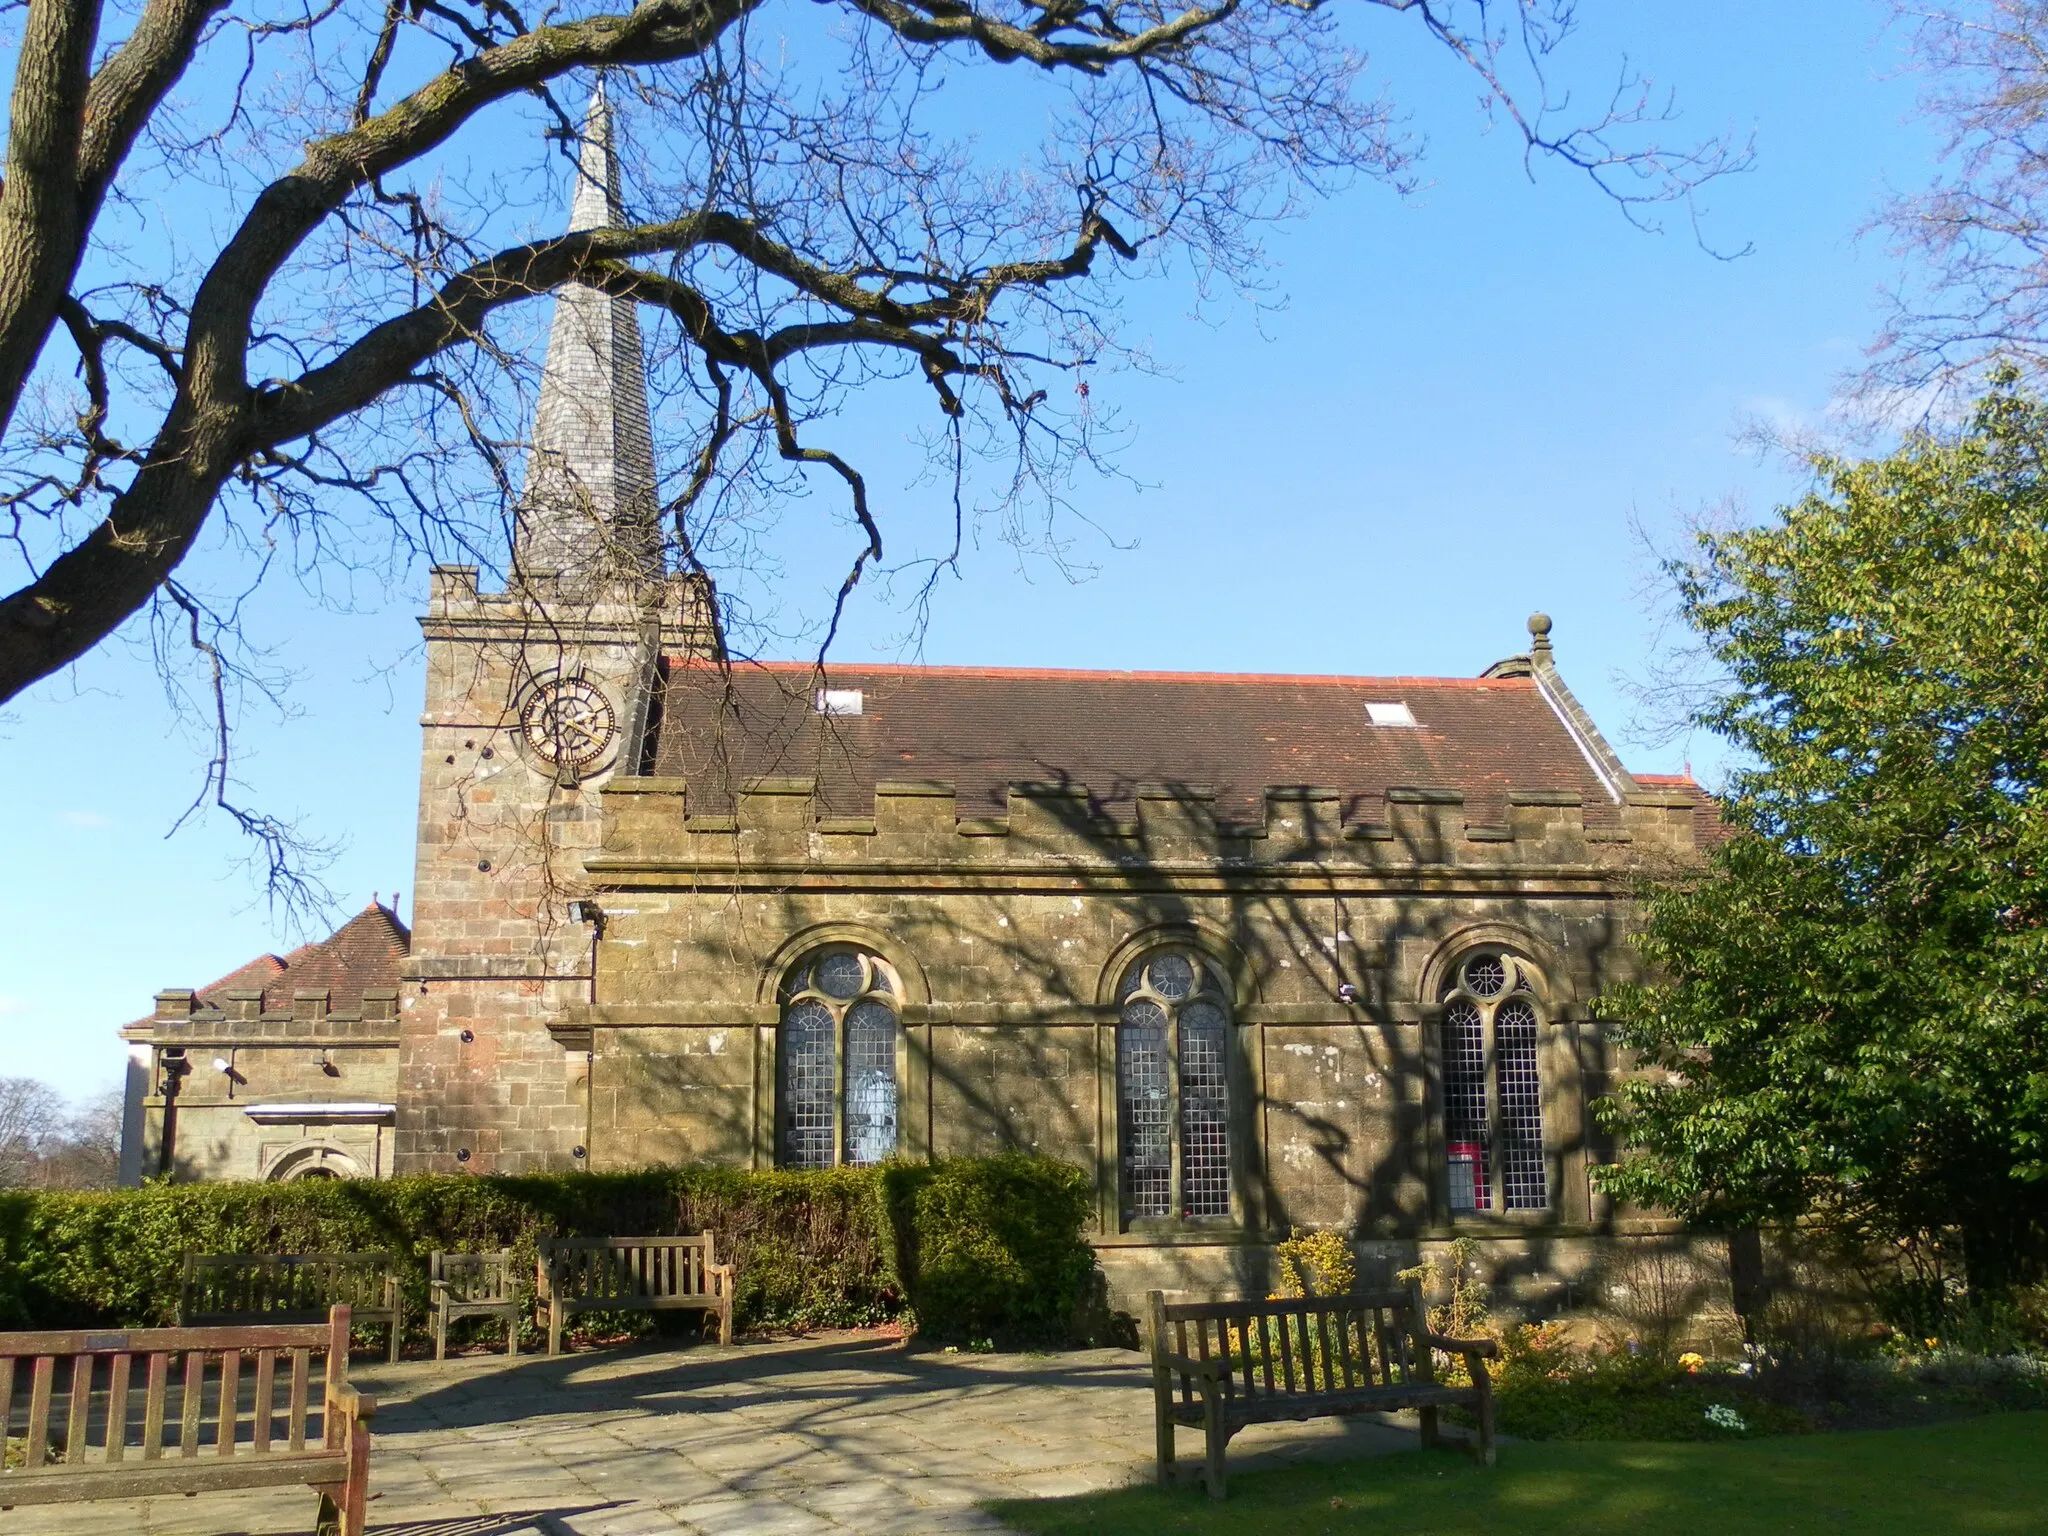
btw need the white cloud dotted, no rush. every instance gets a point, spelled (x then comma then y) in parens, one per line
(10, 1006)
(94, 819)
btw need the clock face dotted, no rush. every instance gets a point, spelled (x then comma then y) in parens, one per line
(568, 723)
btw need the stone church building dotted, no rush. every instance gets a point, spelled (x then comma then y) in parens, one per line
(1260, 951)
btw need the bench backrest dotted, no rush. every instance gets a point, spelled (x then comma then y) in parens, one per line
(476, 1277)
(282, 1285)
(629, 1268)
(1320, 1345)
(99, 1398)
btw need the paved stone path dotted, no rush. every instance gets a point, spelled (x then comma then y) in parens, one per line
(846, 1435)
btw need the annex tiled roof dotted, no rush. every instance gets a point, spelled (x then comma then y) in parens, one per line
(364, 953)
(1113, 732)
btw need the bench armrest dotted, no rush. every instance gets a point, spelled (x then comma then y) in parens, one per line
(1486, 1349)
(348, 1402)
(1187, 1365)
(721, 1278)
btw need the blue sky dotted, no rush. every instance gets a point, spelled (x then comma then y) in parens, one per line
(1465, 404)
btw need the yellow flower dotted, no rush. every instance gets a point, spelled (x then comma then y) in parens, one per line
(1932, 1343)
(1691, 1361)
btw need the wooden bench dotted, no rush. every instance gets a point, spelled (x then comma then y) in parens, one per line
(1221, 1365)
(209, 1417)
(472, 1285)
(632, 1274)
(226, 1289)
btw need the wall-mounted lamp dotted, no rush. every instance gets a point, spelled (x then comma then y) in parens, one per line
(468, 1035)
(327, 1065)
(227, 1070)
(586, 911)
(462, 1154)
(577, 1152)
(1347, 994)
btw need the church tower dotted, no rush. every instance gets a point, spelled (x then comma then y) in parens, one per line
(536, 696)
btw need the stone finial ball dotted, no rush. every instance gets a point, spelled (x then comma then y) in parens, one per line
(1539, 625)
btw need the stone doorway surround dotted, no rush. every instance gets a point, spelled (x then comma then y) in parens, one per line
(834, 1435)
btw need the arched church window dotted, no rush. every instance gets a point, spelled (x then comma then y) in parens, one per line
(838, 1060)
(1173, 1087)
(1493, 1093)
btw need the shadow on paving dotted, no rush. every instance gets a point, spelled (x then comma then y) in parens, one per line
(515, 1522)
(800, 1418)
(880, 1374)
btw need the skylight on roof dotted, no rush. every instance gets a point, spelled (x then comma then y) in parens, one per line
(1389, 714)
(838, 701)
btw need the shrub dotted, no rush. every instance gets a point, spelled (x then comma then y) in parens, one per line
(991, 1248)
(1545, 1389)
(997, 1241)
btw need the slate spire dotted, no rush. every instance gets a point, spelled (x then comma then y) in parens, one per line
(588, 509)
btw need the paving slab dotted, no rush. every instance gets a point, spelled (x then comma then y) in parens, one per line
(833, 1435)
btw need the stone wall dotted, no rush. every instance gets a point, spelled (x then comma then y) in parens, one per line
(502, 838)
(302, 1055)
(1011, 933)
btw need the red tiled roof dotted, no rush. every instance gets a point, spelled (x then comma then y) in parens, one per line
(362, 954)
(983, 729)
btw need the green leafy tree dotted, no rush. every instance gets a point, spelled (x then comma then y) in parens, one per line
(1852, 1018)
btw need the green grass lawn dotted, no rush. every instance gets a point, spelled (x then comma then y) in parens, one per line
(1986, 1474)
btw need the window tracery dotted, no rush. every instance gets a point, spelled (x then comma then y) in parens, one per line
(838, 1090)
(1492, 1086)
(1173, 1087)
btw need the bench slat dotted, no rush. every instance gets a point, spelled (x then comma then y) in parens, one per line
(153, 1407)
(1287, 1353)
(39, 1412)
(64, 1484)
(191, 1401)
(228, 1421)
(1320, 1405)
(297, 1422)
(81, 1408)
(117, 1407)
(143, 1340)
(1286, 1306)
(266, 1398)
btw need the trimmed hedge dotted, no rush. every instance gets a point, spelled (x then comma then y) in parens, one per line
(990, 1249)
(969, 1248)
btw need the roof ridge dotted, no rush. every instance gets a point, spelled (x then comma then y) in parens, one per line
(1312, 679)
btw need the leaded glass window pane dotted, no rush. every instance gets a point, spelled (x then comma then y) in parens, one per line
(1467, 1131)
(870, 1083)
(1523, 1183)
(1172, 976)
(1204, 1110)
(1486, 975)
(808, 1031)
(1142, 1095)
(1173, 1079)
(838, 1061)
(840, 975)
(1493, 1088)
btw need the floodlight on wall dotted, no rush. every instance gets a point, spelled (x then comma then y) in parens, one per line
(226, 1069)
(1347, 993)
(327, 1065)
(585, 911)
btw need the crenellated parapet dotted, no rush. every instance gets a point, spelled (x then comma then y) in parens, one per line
(779, 826)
